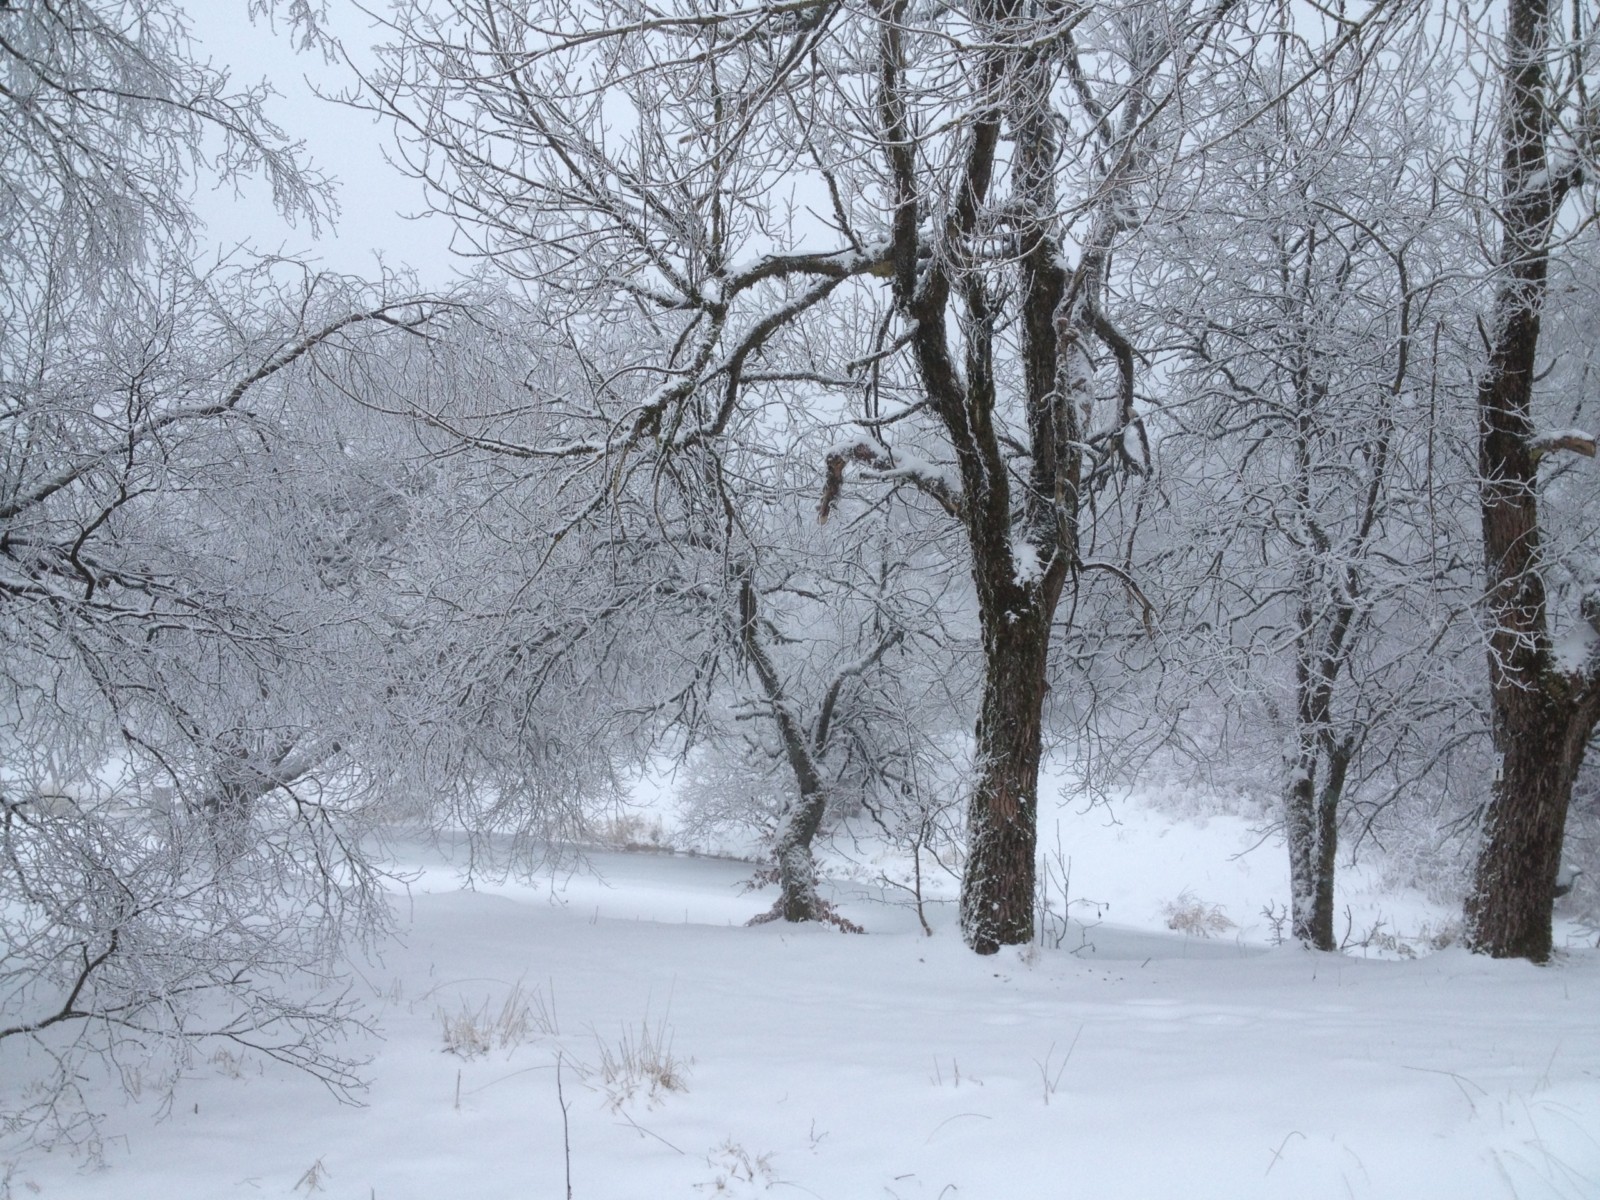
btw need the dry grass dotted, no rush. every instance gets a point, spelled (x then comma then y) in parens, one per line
(1193, 916)
(641, 1062)
(520, 1018)
(632, 832)
(738, 1172)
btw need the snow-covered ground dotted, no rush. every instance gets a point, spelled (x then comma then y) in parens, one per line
(697, 1057)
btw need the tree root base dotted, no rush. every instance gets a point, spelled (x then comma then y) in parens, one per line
(826, 915)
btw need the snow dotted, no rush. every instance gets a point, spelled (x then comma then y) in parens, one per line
(1133, 444)
(910, 466)
(1569, 434)
(1568, 439)
(1572, 650)
(847, 447)
(1028, 568)
(906, 466)
(897, 1066)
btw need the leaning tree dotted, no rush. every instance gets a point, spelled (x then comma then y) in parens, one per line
(170, 867)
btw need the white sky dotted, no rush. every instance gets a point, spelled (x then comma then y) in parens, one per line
(347, 144)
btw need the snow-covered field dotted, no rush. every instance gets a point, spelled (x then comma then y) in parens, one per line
(696, 1057)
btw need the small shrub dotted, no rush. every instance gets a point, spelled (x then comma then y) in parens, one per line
(1385, 941)
(1448, 934)
(1190, 915)
(1277, 916)
(228, 1063)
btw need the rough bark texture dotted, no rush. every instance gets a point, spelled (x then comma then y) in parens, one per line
(1509, 909)
(798, 899)
(1023, 536)
(997, 890)
(1312, 819)
(1542, 716)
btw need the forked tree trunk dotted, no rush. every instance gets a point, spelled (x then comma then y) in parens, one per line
(1542, 714)
(798, 899)
(243, 776)
(1024, 543)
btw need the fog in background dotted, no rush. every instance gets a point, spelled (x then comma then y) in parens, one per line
(378, 205)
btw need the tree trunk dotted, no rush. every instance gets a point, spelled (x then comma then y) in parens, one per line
(1513, 887)
(997, 889)
(1316, 785)
(1542, 716)
(798, 899)
(1311, 815)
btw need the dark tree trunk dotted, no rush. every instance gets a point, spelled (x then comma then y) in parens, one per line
(1311, 815)
(1023, 539)
(1020, 558)
(798, 898)
(242, 776)
(1542, 716)
(1322, 761)
(1513, 888)
(997, 890)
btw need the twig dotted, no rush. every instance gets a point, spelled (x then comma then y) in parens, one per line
(1050, 1085)
(957, 1117)
(1461, 1082)
(1278, 1153)
(566, 1133)
(649, 1132)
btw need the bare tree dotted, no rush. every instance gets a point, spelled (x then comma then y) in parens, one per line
(179, 823)
(1545, 705)
(109, 122)
(1305, 278)
(844, 633)
(698, 610)
(962, 176)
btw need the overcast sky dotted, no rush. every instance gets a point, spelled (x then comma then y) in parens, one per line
(345, 143)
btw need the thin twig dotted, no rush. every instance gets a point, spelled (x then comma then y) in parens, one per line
(566, 1133)
(649, 1132)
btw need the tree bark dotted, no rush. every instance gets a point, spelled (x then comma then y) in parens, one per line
(798, 899)
(1322, 761)
(1023, 540)
(1312, 820)
(1513, 887)
(997, 890)
(1542, 716)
